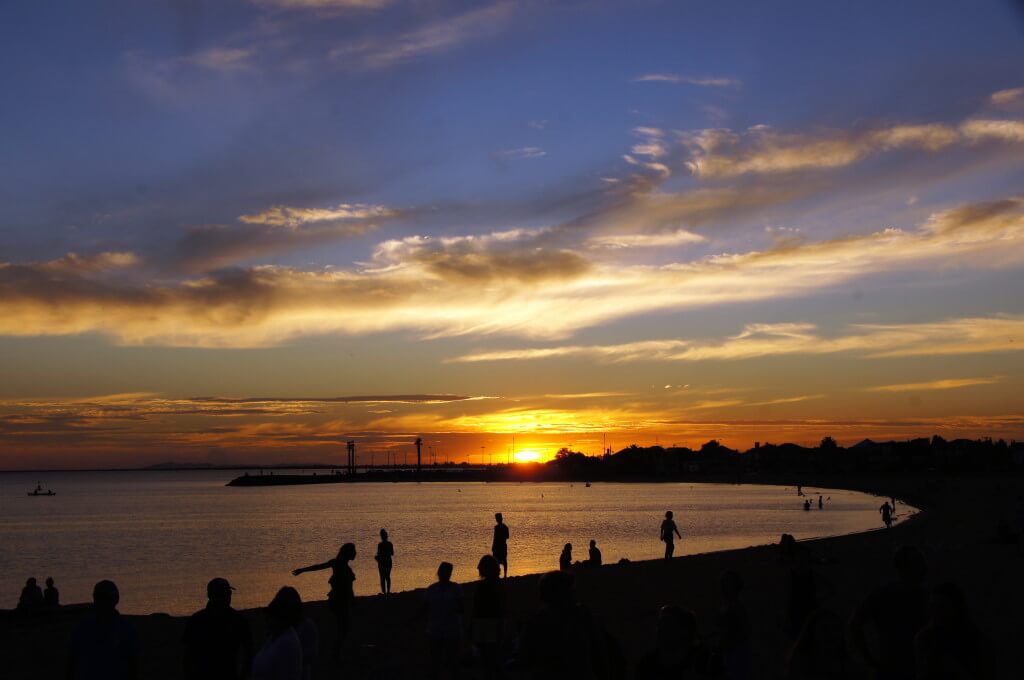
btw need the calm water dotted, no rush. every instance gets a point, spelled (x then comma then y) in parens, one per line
(162, 535)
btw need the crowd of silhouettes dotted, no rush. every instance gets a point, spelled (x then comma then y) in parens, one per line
(901, 630)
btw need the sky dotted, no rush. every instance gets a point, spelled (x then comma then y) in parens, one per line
(247, 231)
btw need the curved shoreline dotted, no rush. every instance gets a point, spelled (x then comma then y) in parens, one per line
(952, 524)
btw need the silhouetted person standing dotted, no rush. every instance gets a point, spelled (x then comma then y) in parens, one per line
(103, 645)
(669, 531)
(886, 511)
(595, 555)
(444, 623)
(217, 642)
(280, 657)
(31, 599)
(339, 598)
(499, 545)
(821, 503)
(385, 553)
(51, 596)
(565, 559)
(896, 612)
(488, 616)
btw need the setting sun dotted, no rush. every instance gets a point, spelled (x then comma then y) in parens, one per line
(527, 456)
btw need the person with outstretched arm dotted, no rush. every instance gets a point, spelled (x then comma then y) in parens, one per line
(339, 598)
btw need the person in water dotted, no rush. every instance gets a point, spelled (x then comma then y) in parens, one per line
(499, 545)
(821, 504)
(385, 551)
(339, 599)
(669, 531)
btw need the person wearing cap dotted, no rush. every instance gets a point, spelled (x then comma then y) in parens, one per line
(217, 641)
(104, 646)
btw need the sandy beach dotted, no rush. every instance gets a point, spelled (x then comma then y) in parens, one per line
(956, 532)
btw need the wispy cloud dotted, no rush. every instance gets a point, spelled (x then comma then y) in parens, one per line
(1003, 97)
(436, 36)
(520, 153)
(946, 384)
(293, 217)
(662, 240)
(953, 336)
(705, 81)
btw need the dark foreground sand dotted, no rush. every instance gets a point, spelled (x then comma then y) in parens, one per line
(956, 532)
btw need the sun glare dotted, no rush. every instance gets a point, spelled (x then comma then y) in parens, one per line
(527, 456)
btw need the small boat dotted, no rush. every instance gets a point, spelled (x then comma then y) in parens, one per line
(40, 491)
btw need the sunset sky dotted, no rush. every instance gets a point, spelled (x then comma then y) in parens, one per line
(250, 230)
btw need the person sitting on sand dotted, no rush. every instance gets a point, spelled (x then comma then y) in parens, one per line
(499, 545)
(280, 658)
(886, 511)
(104, 646)
(51, 596)
(734, 657)
(339, 598)
(31, 596)
(385, 553)
(217, 642)
(669, 531)
(595, 555)
(820, 651)
(676, 653)
(950, 645)
(488, 616)
(565, 559)
(561, 640)
(896, 612)
(443, 601)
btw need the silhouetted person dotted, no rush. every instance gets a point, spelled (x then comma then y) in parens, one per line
(820, 651)
(217, 642)
(676, 653)
(669, 531)
(31, 599)
(104, 645)
(886, 511)
(499, 545)
(821, 503)
(561, 641)
(949, 647)
(896, 612)
(339, 598)
(51, 596)
(309, 637)
(807, 505)
(565, 558)
(733, 653)
(280, 657)
(385, 553)
(488, 616)
(443, 600)
(801, 588)
(595, 555)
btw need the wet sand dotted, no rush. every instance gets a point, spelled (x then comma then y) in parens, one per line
(956, 531)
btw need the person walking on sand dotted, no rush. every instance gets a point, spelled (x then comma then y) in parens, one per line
(499, 545)
(385, 551)
(886, 511)
(339, 599)
(669, 531)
